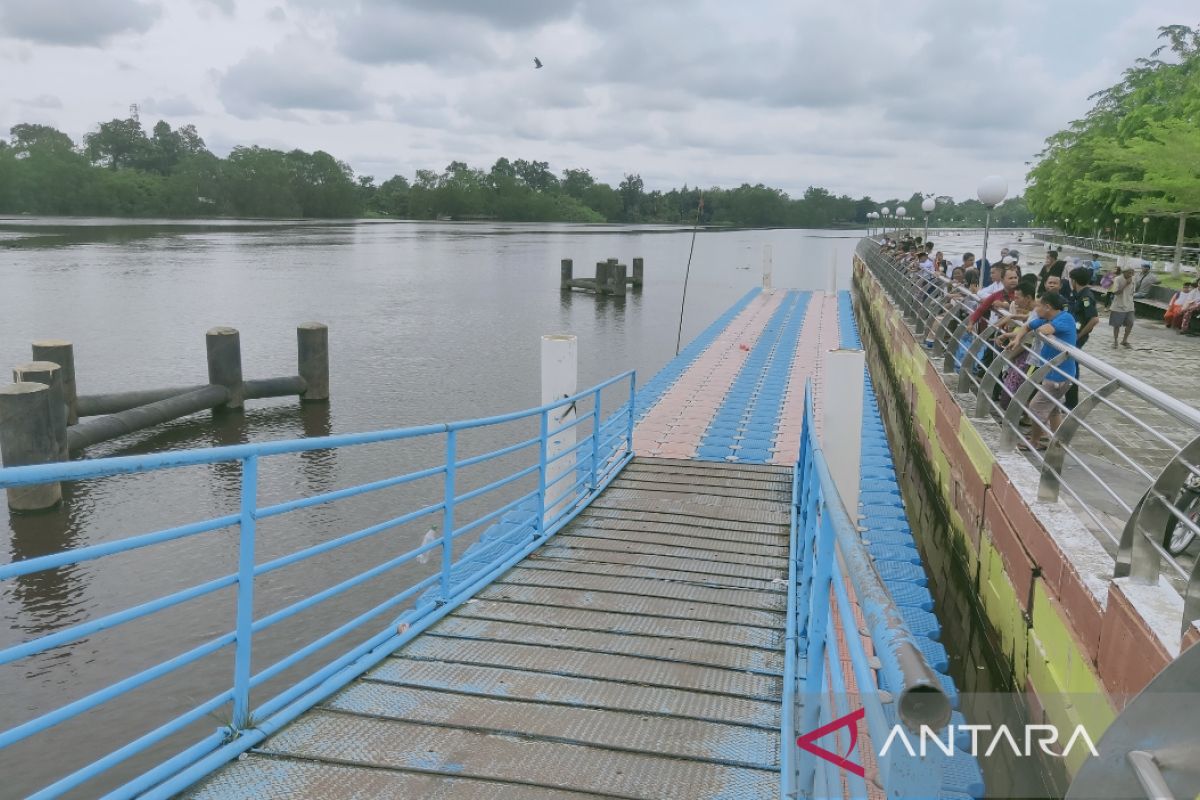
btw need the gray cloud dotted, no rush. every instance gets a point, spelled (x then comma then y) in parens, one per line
(226, 7)
(65, 22)
(393, 34)
(510, 14)
(173, 106)
(871, 97)
(293, 77)
(42, 101)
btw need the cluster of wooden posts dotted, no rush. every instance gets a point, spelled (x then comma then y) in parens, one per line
(40, 411)
(612, 278)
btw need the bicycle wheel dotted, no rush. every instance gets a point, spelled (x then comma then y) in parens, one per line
(1176, 537)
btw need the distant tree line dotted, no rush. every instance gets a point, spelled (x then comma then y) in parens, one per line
(120, 170)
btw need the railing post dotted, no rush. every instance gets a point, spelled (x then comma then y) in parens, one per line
(1136, 556)
(245, 595)
(818, 616)
(632, 408)
(543, 449)
(1056, 451)
(596, 417)
(448, 509)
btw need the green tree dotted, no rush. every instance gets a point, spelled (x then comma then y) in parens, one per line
(1116, 159)
(117, 143)
(391, 197)
(1160, 172)
(631, 198)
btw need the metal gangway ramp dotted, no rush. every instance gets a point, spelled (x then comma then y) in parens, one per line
(650, 591)
(639, 653)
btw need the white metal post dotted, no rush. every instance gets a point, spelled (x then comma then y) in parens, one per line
(560, 377)
(767, 266)
(842, 406)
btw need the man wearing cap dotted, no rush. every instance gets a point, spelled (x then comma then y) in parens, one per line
(1145, 282)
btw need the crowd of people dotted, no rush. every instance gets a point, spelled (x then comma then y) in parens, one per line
(1057, 298)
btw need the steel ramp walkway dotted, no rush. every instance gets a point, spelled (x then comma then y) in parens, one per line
(638, 654)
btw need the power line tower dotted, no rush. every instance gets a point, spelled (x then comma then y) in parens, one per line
(133, 112)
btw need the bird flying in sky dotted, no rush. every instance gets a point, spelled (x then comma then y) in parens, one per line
(537, 63)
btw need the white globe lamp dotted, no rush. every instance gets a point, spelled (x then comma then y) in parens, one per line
(992, 191)
(928, 205)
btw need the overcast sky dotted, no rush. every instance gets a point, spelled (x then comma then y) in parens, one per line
(863, 97)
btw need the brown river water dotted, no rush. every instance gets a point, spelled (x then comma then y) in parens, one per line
(429, 322)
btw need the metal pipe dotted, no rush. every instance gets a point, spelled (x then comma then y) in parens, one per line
(289, 386)
(95, 405)
(1149, 776)
(92, 432)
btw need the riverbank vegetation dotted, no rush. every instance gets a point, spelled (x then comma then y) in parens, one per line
(1134, 156)
(121, 170)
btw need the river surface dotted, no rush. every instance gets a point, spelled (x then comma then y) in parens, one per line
(429, 322)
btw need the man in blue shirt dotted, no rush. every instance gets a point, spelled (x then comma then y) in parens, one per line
(1047, 404)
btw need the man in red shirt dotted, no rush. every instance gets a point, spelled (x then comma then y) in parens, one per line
(997, 301)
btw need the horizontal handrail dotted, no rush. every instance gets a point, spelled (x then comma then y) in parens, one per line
(518, 525)
(118, 465)
(1138, 551)
(827, 558)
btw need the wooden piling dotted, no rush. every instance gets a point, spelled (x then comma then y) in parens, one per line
(62, 353)
(27, 438)
(567, 275)
(639, 271)
(312, 361)
(225, 365)
(51, 375)
(602, 271)
(617, 279)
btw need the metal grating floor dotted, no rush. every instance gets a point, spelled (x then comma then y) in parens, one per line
(638, 654)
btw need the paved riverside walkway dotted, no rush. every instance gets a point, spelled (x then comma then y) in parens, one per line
(639, 652)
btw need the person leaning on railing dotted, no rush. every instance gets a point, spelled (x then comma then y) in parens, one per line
(1047, 401)
(1022, 306)
(955, 296)
(996, 300)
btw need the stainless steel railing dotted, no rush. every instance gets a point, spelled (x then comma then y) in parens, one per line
(1154, 252)
(1125, 453)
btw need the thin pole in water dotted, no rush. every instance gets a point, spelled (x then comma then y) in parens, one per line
(687, 273)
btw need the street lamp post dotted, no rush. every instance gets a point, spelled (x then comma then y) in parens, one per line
(1145, 224)
(928, 205)
(883, 212)
(901, 213)
(992, 191)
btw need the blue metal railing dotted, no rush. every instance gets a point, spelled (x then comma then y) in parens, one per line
(828, 559)
(596, 459)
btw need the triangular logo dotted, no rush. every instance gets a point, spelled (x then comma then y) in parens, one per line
(808, 742)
